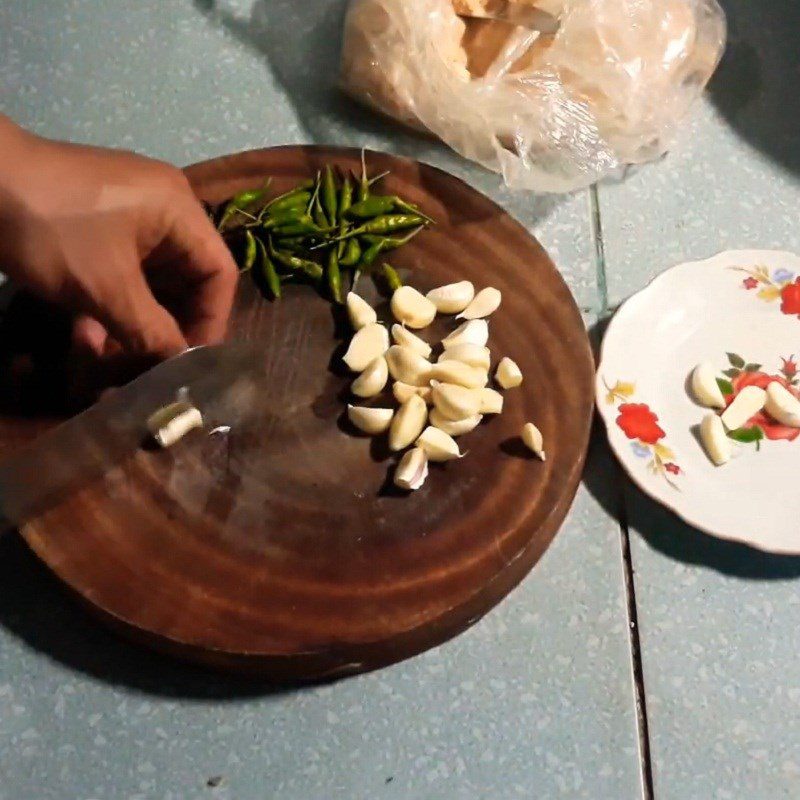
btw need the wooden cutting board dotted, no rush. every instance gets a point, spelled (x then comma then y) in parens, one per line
(283, 549)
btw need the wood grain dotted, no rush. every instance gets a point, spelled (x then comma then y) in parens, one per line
(282, 549)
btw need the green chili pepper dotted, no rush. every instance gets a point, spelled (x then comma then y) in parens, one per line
(266, 275)
(345, 201)
(290, 196)
(391, 277)
(310, 268)
(249, 252)
(285, 216)
(329, 199)
(386, 223)
(352, 252)
(294, 200)
(373, 206)
(318, 214)
(301, 226)
(369, 255)
(334, 276)
(410, 208)
(390, 242)
(363, 184)
(239, 202)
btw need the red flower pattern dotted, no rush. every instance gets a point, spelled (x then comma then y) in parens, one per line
(749, 283)
(639, 422)
(790, 298)
(772, 430)
(673, 469)
(789, 367)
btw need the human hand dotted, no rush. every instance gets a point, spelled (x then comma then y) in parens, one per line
(118, 239)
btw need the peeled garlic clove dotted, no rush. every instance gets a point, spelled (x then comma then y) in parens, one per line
(715, 441)
(408, 423)
(173, 422)
(370, 420)
(412, 470)
(491, 401)
(532, 437)
(486, 302)
(438, 445)
(454, 427)
(372, 380)
(472, 354)
(408, 366)
(452, 298)
(508, 374)
(412, 308)
(460, 373)
(360, 312)
(367, 344)
(476, 331)
(456, 402)
(402, 391)
(782, 405)
(405, 338)
(705, 388)
(747, 403)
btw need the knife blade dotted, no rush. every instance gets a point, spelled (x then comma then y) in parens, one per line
(44, 472)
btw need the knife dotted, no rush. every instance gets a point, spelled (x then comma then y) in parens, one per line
(525, 16)
(57, 463)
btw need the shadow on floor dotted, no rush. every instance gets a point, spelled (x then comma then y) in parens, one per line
(755, 88)
(663, 530)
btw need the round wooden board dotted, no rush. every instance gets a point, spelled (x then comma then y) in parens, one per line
(283, 550)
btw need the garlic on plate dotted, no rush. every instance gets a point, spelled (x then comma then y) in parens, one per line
(438, 445)
(405, 338)
(782, 405)
(455, 402)
(460, 373)
(370, 420)
(491, 401)
(532, 437)
(454, 427)
(408, 366)
(486, 302)
(360, 312)
(705, 387)
(402, 391)
(473, 354)
(715, 441)
(173, 422)
(747, 403)
(508, 374)
(475, 331)
(412, 308)
(372, 380)
(366, 345)
(453, 297)
(407, 423)
(412, 470)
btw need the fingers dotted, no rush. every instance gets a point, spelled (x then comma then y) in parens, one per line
(89, 337)
(198, 255)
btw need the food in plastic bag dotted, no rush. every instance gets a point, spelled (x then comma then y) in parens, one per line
(551, 112)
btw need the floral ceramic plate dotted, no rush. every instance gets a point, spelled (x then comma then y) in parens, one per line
(740, 311)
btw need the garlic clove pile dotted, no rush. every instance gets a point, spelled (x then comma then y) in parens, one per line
(486, 302)
(408, 423)
(491, 401)
(460, 373)
(408, 366)
(402, 391)
(405, 338)
(456, 402)
(438, 445)
(412, 470)
(476, 331)
(473, 354)
(508, 374)
(453, 298)
(454, 427)
(368, 343)
(532, 437)
(360, 312)
(370, 420)
(372, 380)
(412, 308)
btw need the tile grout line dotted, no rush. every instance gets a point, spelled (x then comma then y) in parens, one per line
(643, 730)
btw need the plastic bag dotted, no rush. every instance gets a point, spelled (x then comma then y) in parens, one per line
(551, 113)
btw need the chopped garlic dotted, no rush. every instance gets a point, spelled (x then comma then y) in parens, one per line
(705, 387)
(747, 403)
(412, 308)
(408, 366)
(408, 423)
(174, 421)
(372, 380)
(367, 344)
(486, 302)
(405, 338)
(370, 420)
(454, 427)
(438, 445)
(532, 437)
(508, 374)
(476, 331)
(412, 470)
(782, 405)
(360, 312)
(715, 441)
(452, 298)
